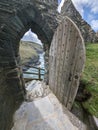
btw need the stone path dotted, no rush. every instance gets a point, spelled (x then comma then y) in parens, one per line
(45, 113)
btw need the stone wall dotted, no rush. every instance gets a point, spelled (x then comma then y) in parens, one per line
(17, 17)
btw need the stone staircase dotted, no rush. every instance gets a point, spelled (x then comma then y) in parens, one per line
(44, 112)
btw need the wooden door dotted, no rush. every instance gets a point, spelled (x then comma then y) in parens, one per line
(66, 61)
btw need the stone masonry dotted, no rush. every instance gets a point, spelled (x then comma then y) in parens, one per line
(17, 17)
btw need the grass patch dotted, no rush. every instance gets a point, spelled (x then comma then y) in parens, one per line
(33, 45)
(29, 50)
(90, 78)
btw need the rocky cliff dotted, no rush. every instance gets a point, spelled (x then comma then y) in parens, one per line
(87, 32)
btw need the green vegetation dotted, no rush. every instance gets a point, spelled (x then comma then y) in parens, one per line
(29, 50)
(90, 78)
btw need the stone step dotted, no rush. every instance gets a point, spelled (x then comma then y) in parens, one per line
(45, 114)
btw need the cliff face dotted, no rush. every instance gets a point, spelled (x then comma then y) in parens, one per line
(87, 32)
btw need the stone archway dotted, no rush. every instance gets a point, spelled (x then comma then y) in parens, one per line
(16, 17)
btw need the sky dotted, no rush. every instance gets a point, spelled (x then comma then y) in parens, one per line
(30, 36)
(88, 10)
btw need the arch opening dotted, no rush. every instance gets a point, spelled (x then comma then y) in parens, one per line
(39, 31)
(32, 57)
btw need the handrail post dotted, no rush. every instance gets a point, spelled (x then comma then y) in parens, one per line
(39, 74)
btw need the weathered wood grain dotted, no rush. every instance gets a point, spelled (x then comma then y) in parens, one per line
(66, 61)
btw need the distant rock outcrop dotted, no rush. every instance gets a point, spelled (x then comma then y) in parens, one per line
(97, 33)
(87, 32)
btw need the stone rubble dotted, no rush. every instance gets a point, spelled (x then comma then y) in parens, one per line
(36, 89)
